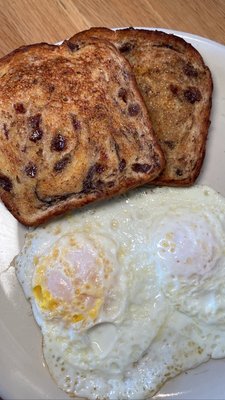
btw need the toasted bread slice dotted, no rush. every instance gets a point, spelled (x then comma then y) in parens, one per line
(177, 88)
(73, 129)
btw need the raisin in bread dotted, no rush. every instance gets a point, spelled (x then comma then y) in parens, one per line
(177, 88)
(73, 129)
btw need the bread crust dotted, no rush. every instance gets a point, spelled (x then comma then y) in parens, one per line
(73, 129)
(177, 88)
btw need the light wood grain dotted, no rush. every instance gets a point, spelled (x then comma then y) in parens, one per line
(29, 21)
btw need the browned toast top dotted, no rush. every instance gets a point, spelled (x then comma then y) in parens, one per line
(177, 88)
(73, 129)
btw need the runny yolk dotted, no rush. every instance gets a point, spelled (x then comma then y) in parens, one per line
(69, 287)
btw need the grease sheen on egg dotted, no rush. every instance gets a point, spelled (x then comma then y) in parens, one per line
(131, 292)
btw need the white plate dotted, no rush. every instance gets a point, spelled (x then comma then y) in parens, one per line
(23, 374)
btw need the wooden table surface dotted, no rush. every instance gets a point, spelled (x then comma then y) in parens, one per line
(29, 21)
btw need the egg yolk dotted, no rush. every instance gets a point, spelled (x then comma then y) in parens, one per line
(69, 282)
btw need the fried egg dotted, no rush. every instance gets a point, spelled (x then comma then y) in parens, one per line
(131, 292)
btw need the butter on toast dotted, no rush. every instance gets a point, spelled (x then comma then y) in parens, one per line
(73, 129)
(177, 88)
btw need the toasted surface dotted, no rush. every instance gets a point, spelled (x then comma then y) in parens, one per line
(73, 129)
(177, 88)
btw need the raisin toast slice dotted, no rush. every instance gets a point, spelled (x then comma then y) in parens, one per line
(177, 88)
(73, 129)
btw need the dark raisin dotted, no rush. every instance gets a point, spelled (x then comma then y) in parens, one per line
(170, 144)
(75, 122)
(61, 164)
(174, 89)
(133, 109)
(88, 183)
(58, 143)
(5, 183)
(51, 88)
(6, 131)
(34, 123)
(19, 108)
(73, 46)
(99, 169)
(190, 71)
(192, 94)
(179, 172)
(92, 171)
(126, 47)
(141, 168)
(123, 94)
(122, 165)
(30, 169)
(117, 149)
(110, 184)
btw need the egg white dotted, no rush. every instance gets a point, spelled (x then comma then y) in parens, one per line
(162, 305)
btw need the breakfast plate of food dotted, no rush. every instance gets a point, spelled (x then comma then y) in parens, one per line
(112, 215)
